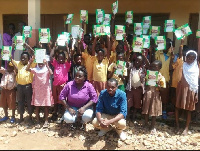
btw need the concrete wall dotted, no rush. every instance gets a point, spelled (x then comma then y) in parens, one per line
(178, 9)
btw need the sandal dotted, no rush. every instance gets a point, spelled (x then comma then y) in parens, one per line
(12, 120)
(5, 118)
(46, 124)
(164, 115)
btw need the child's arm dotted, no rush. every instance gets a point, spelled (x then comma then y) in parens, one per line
(127, 27)
(111, 72)
(29, 47)
(94, 45)
(52, 52)
(128, 49)
(2, 70)
(29, 64)
(146, 61)
(112, 28)
(181, 48)
(46, 63)
(14, 65)
(68, 53)
(108, 53)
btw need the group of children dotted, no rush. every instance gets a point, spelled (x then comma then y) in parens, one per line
(99, 54)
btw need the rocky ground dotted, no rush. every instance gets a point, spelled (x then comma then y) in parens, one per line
(56, 137)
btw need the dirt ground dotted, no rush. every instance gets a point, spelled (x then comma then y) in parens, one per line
(20, 137)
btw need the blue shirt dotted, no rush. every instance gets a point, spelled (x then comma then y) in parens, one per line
(112, 105)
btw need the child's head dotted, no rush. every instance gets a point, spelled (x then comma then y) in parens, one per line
(120, 56)
(11, 27)
(191, 56)
(78, 59)
(97, 47)
(185, 50)
(25, 57)
(86, 39)
(120, 47)
(61, 57)
(156, 65)
(169, 45)
(10, 68)
(130, 39)
(40, 65)
(138, 61)
(89, 48)
(100, 55)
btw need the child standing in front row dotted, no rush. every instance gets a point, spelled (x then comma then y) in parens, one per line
(8, 92)
(152, 104)
(24, 87)
(187, 89)
(42, 95)
(61, 69)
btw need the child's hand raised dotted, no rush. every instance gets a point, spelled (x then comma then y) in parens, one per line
(40, 44)
(32, 59)
(45, 62)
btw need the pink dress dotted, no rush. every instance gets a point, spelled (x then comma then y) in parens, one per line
(42, 94)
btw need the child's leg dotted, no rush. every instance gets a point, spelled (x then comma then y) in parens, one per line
(177, 118)
(37, 110)
(13, 113)
(5, 111)
(21, 100)
(153, 122)
(46, 113)
(28, 95)
(146, 118)
(185, 132)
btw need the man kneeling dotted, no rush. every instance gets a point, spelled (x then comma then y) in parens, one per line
(111, 110)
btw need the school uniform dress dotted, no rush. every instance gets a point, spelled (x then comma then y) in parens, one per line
(100, 75)
(89, 62)
(42, 94)
(152, 104)
(135, 87)
(8, 92)
(185, 98)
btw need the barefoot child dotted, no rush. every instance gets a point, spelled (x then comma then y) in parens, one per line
(135, 86)
(24, 88)
(8, 92)
(152, 104)
(42, 95)
(187, 88)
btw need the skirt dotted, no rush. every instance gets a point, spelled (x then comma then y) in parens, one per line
(185, 99)
(152, 104)
(99, 86)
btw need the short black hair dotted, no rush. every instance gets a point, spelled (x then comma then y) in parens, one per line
(82, 69)
(101, 50)
(158, 62)
(62, 53)
(87, 35)
(26, 53)
(169, 43)
(113, 80)
(77, 55)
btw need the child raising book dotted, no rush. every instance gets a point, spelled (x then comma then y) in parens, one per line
(42, 95)
(152, 104)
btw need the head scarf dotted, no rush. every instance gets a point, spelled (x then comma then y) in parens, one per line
(191, 73)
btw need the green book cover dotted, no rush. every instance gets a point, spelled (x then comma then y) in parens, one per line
(183, 31)
(146, 41)
(75, 31)
(160, 42)
(120, 67)
(100, 14)
(84, 16)
(129, 17)
(198, 34)
(154, 31)
(27, 31)
(119, 32)
(138, 43)
(19, 42)
(169, 26)
(69, 18)
(152, 78)
(115, 7)
(94, 27)
(6, 53)
(40, 55)
(107, 19)
(102, 30)
(138, 28)
(44, 35)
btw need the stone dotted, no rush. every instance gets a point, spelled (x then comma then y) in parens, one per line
(178, 143)
(1, 138)
(50, 134)
(21, 129)
(194, 143)
(14, 134)
(6, 142)
(166, 135)
(128, 142)
(33, 131)
(81, 137)
(119, 144)
(146, 143)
